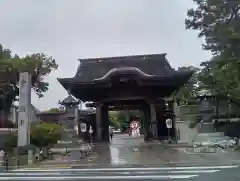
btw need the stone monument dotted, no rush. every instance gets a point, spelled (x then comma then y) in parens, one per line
(24, 114)
(206, 111)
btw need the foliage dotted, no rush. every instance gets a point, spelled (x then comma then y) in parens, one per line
(45, 134)
(219, 23)
(11, 142)
(54, 110)
(38, 65)
(114, 122)
(121, 119)
(189, 90)
(42, 135)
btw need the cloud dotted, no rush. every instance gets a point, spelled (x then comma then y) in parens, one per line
(74, 29)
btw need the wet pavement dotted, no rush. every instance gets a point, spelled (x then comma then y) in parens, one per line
(126, 150)
(127, 158)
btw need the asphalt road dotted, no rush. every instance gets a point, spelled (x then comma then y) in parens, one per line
(142, 173)
(127, 158)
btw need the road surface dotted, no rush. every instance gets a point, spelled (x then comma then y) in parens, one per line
(193, 172)
(127, 158)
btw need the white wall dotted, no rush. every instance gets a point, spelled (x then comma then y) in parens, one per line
(186, 134)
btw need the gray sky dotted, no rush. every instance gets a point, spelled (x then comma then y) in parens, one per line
(72, 29)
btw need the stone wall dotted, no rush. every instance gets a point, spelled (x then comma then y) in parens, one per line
(186, 134)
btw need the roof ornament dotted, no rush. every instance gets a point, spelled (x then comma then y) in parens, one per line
(69, 92)
(124, 69)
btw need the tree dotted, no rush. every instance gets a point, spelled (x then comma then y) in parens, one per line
(121, 119)
(189, 90)
(38, 65)
(54, 110)
(219, 23)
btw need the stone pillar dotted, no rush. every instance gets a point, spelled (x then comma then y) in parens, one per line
(14, 115)
(206, 110)
(24, 114)
(31, 157)
(76, 121)
(177, 117)
(99, 122)
(153, 120)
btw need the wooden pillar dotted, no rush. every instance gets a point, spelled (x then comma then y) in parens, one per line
(154, 128)
(105, 123)
(171, 107)
(177, 116)
(99, 122)
(147, 119)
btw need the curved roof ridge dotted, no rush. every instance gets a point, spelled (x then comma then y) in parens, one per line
(124, 69)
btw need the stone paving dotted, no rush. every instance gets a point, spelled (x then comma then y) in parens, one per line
(125, 150)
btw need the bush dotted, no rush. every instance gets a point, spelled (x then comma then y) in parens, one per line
(42, 135)
(11, 142)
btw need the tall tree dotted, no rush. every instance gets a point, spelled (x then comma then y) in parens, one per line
(218, 21)
(38, 65)
(189, 90)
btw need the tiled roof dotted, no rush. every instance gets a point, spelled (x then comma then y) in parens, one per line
(145, 65)
(69, 100)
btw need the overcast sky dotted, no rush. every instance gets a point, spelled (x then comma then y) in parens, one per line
(72, 29)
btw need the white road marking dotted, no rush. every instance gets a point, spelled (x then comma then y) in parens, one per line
(181, 171)
(126, 169)
(120, 173)
(101, 177)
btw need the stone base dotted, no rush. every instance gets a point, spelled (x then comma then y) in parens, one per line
(206, 128)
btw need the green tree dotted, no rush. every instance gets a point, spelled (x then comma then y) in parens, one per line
(189, 91)
(38, 65)
(54, 110)
(219, 23)
(121, 119)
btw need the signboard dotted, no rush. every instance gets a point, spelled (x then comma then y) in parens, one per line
(90, 130)
(135, 128)
(83, 127)
(169, 123)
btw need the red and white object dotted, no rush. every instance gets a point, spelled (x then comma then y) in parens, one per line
(135, 128)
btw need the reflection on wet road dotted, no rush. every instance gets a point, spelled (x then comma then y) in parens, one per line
(126, 150)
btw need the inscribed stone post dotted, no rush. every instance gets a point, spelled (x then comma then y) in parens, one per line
(24, 109)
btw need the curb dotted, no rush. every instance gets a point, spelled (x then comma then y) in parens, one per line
(201, 153)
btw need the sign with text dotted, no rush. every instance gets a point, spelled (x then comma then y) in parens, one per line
(135, 128)
(83, 127)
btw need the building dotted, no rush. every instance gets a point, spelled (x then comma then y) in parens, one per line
(133, 82)
(70, 116)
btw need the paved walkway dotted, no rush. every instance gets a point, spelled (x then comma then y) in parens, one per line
(125, 150)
